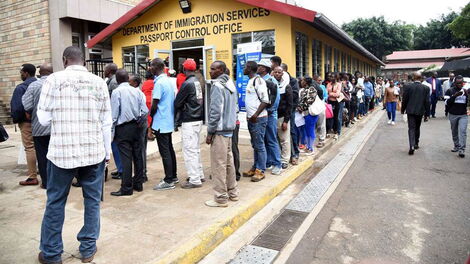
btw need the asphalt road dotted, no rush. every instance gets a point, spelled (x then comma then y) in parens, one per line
(395, 208)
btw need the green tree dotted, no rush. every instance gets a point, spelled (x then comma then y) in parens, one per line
(460, 26)
(379, 37)
(436, 34)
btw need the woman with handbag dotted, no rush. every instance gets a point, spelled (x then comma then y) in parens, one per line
(335, 98)
(391, 100)
(307, 98)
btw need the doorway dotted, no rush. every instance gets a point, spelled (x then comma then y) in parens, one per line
(180, 55)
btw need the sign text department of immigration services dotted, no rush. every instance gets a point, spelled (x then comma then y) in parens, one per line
(194, 27)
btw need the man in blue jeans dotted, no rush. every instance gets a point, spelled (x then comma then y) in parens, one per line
(74, 101)
(256, 100)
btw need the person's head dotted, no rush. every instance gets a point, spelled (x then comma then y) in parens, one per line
(317, 79)
(459, 82)
(27, 71)
(335, 77)
(308, 81)
(157, 66)
(172, 73)
(434, 74)
(417, 76)
(329, 76)
(251, 68)
(134, 81)
(264, 67)
(148, 76)
(358, 74)
(278, 72)
(110, 69)
(353, 80)
(276, 61)
(189, 66)
(344, 77)
(451, 76)
(72, 56)
(392, 84)
(284, 67)
(45, 69)
(217, 68)
(227, 71)
(366, 79)
(122, 76)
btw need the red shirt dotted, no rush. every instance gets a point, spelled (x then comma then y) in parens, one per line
(180, 78)
(147, 89)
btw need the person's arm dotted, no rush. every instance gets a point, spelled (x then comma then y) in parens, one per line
(27, 99)
(215, 110)
(157, 95)
(404, 104)
(106, 121)
(115, 109)
(46, 102)
(427, 102)
(289, 103)
(180, 98)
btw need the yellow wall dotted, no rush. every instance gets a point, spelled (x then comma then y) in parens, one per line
(313, 33)
(169, 10)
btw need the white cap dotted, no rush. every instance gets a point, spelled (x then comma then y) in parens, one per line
(265, 63)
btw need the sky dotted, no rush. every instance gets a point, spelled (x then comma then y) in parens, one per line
(411, 11)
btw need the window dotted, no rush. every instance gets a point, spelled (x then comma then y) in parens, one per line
(328, 51)
(135, 59)
(350, 68)
(301, 58)
(267, 47)
(317, 64)
(343, 62)
(336, 60)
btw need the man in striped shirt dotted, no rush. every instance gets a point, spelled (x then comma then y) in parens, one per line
(41, 134)
(76, 105)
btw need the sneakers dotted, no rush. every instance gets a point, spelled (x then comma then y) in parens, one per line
(270, 167)
(461, 154)
(389, 122)
(284, 166)
(276, 170)
(176, 181)
(355, 119)
(249, 173)
(301, 146)
(162, 186)
(234, 199)
(393, 123)
(29, 181)
(212, 203)
(188, 185)
(455, 150)
(336, 137)
(258, 176)
(309, 152)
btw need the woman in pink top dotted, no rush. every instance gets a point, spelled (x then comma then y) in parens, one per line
(334, 92)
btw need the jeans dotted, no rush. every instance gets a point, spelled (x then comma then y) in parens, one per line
(339, 125)
(165, 146)
(117, 158)
(128, 138)
(236, 151)
(414, 126)
(310, 122)
(58, 187)
(257, 133)
(391, 110)
(458, 124)
(272, 145)
(294, 137)
(41, 144)
(366, 105)
(190, 132)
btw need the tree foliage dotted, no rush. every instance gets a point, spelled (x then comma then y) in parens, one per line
(378, 36)
(460, 27)
(436, 34)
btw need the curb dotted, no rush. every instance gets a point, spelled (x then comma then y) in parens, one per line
(203, 243)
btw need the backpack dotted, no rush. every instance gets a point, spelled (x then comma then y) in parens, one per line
(272, 91)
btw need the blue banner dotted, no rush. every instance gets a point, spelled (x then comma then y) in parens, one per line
(242, 80)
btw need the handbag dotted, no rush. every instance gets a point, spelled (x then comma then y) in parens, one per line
(3, 133)
(317, 107)
(328, 111)
(396, 91)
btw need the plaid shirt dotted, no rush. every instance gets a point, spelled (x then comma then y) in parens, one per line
(77, 105)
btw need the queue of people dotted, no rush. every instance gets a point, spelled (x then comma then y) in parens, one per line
(71, 122)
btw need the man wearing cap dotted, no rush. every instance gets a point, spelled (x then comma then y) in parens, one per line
(273, 150)
(23, 119)
(189, 103)
(41, 134)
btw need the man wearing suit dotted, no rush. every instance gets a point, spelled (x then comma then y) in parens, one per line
(436, 92)
(415, 103)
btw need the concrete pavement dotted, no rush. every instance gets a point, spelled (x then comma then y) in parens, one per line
(395, 208)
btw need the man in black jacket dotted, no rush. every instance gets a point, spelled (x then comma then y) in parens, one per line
(23, 119)
(294, 84)
(415, 103)
(456, 105)
(284, 113)
(189, 103)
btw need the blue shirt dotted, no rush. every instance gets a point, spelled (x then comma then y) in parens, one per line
(127, 104)
(163, 119)
(274, 107)
(368, 89)
(325, 92)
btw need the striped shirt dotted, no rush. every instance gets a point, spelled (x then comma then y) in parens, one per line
(77, 105)
(30, 103)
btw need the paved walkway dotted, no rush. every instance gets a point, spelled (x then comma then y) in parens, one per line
(143, 228)
(395, 208)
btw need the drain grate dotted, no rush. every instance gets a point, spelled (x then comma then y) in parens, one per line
(255, 255)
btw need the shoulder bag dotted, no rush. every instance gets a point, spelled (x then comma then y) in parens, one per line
(317, 107)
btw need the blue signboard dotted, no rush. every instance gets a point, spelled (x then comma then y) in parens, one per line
(245, 52)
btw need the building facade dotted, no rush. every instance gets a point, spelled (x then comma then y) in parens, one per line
(306, 40)
(38, 31)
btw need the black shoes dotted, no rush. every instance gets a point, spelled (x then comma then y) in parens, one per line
(411, 151)
(42, 260)
(416, 147)
(116, 175)
(461, 154)
(138, 188)
(121, 193)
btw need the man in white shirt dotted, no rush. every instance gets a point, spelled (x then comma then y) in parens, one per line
(76, 105)
(448, 83)
(256, 101)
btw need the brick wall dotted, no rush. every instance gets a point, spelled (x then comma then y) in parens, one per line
(24, 38)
